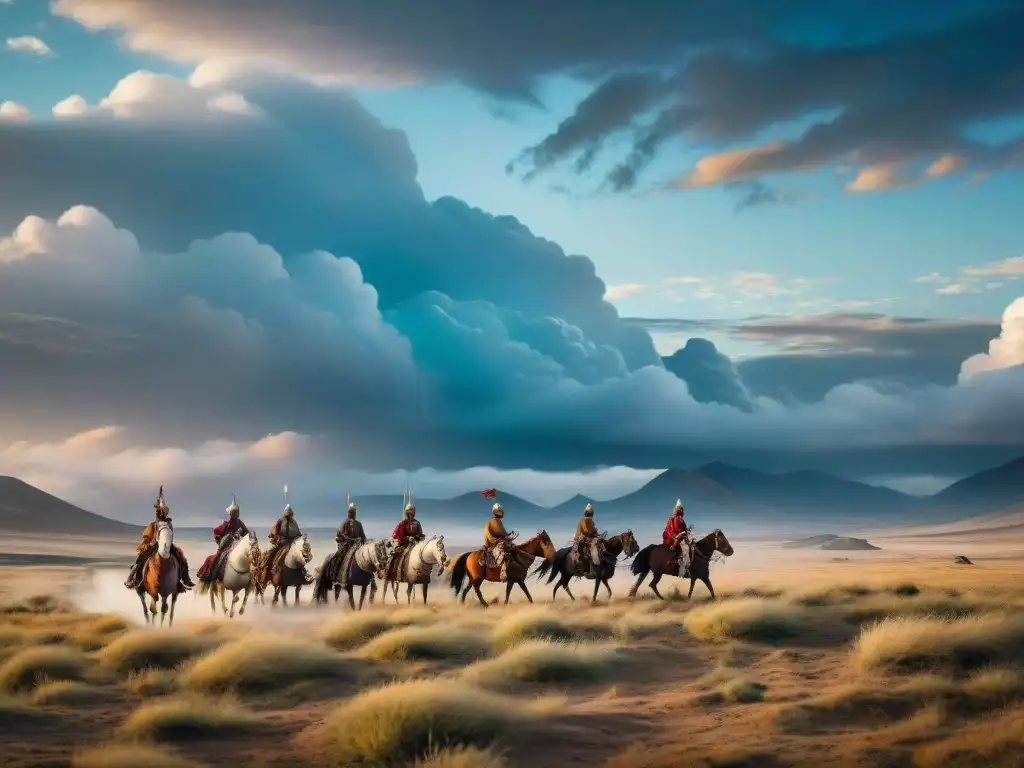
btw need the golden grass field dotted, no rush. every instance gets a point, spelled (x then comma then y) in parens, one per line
(876, 660)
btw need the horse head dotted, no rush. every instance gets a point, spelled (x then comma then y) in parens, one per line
(441, 557)
(380, 552)
(630, 547)
(547, 546)
(722, 543)
(164, 540)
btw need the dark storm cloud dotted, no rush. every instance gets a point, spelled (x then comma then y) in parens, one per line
(710, 376)
(399, 332)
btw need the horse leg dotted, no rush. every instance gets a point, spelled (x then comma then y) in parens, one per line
(222, 590)
(245, 599)
(362, 596)
(425, 587)
(654, 585)
(479, 594)
(163, 610)
(297, 590)
(352, 597)
(607, 585)
(693, 582)
(565, 585)
(337, 592)
(234, 602)
(152, 607)
(635, 587)
(408, 593)
(145, 610)
(707, 583)
(394, 590)
(469, 585)
(597, 586)
(174, 601)
(508, 589)
(522, 584)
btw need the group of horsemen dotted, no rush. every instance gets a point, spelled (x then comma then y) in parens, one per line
(588, 548)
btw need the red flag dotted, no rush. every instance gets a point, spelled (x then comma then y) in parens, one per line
(489, 493)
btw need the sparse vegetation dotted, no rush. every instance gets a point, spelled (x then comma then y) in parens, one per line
(34, 666)
(437, 642)
(145, 649)
(996, 742)
(257, 664)
(352, 630)
(153, 682)
(187, 718)
(462, 757)
(542, 625)
(404, 722)
(750, 619)
(543, 662)
(67, 693)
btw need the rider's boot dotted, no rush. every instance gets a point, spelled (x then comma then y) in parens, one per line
(183, 575)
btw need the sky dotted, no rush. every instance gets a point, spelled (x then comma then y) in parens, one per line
(547, 249)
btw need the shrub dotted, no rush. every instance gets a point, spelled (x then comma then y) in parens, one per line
(27, 669)
(436, 643)
(130, 756)
(148, 649)
(749, 619)
(539, 661)
(186, 718)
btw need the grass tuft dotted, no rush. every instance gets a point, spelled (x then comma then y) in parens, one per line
(530, 625)
(906, 645)
(750, 619)
(405, 722)
(130, 756)
(352, 630)
(153, 682)
(66, 693)
(257, 664)
(462, 757)
(147, 649)
(437, 642)
(187, 718)
(543, 662)
(34, 666)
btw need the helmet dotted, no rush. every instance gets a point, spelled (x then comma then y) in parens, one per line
(498, 510)
(161, 506)
(589, 510)
(679, 505)
(288, 511)
(233, 508)
(352, 509)
(410, 509)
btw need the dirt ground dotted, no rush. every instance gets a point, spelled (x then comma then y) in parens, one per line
(897, 657)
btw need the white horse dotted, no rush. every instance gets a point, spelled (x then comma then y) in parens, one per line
(419, 559)
(160, 576)
(292, 572)
(238, 577)
(358, 570)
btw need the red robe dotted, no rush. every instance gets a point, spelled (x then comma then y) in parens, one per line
(407, 529)
(675, 526)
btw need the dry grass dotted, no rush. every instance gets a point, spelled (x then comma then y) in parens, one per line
(261, 663)
(153, 682)
(997, 742)
(906, 645)
(405, 722)
(187, 718)
(543, 624)
(749, 619)
(67, 693)
(542, 662)
(352, 630)
(34, 666)
(131, 756)
(151, 649)
(437, 642)
(462, 757)
(14, 712)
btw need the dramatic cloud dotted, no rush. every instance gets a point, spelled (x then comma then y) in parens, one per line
(280, 272)
(1004, 352)
(710, 376)
(28, 44)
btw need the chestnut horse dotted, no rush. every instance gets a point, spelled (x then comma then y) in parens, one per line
(522, 558)
(565, 568)
(657, 558)
(160, 577)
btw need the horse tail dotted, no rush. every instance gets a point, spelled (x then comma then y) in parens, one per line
(544, 569)
(459, 571)
(324, 580)
(642, 561)
(203, 587)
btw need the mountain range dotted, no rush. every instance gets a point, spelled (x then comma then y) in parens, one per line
(714, 494)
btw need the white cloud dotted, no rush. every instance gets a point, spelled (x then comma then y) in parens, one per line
(13, 112)
(28, 44)
(1010, 267)
(970, 278)
(879, 177)
(144, 95)
(1006, 351)
(623, 291)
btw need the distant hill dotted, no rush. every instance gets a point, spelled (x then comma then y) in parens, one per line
(26, 509)
(986, 491)
(831, 542)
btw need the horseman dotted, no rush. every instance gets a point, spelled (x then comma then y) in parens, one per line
(350, 533)
(675, 535)
(148, 546)
(407, 532)
(497, 542)
(224, 536)
(587, 544)
(284, 532)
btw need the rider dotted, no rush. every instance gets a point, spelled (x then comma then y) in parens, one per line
(498, 541)
(407, 532)
(224, 535)
(284, 532)
(676, 532)
(587, 544)
(351, 531)
(148, 547)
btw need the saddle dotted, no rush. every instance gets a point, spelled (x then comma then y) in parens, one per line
(399, 562)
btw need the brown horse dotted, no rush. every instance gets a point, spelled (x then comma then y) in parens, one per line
(260, 576)
(657, 558)
(160, 577)
(522, 558)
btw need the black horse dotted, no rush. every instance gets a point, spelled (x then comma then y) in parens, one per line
(565, 566)
(658, 558)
